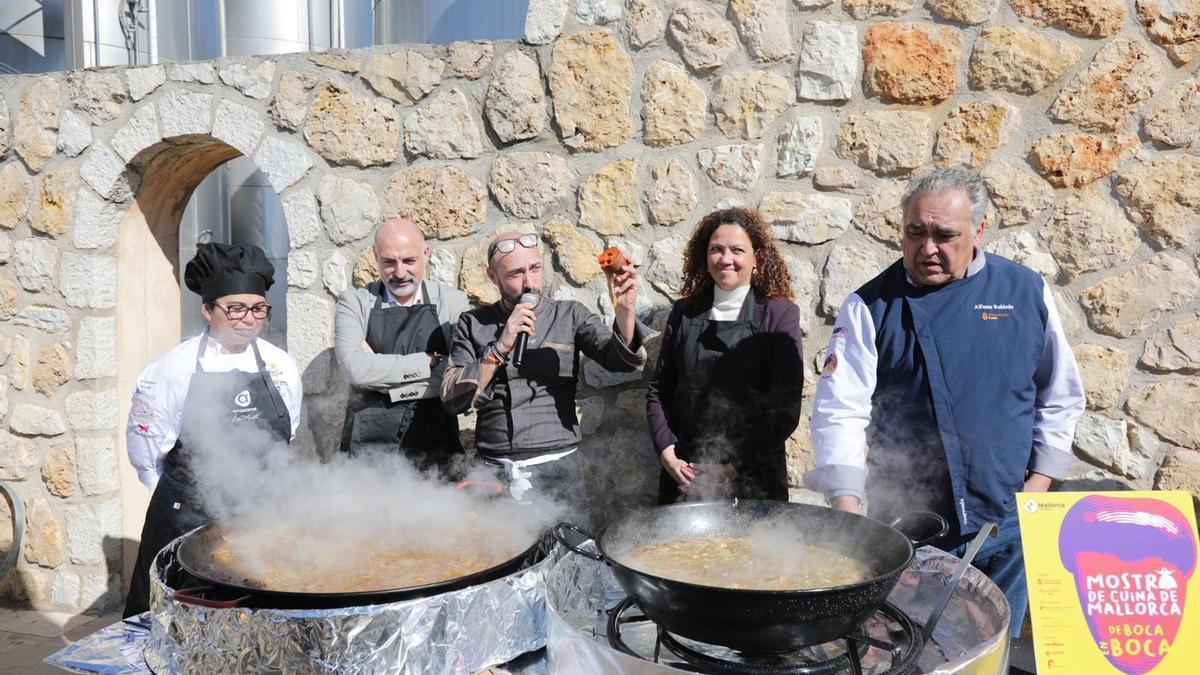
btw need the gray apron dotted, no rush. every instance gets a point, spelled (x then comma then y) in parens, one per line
(253, 407)
(421, 430)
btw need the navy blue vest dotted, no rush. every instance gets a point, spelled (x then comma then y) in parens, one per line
(953, 410)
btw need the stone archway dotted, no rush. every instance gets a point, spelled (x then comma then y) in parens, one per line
(148, 245)
(160, 177)
(92, 190)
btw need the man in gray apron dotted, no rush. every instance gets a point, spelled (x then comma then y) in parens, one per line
(223, 386)
(391, 339)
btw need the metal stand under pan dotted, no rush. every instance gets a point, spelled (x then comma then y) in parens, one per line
(889, 642)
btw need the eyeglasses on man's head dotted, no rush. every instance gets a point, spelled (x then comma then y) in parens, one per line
(509, 245)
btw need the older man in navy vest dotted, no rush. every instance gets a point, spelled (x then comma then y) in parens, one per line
(952, 367)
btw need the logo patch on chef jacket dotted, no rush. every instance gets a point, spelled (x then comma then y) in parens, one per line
(242, 400)
(840, 331)
(831, 364)
(276, 373)
(142, 415)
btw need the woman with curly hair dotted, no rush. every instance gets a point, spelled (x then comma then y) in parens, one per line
(726, 394)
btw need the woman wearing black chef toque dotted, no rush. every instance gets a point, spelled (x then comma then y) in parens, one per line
(225, 383)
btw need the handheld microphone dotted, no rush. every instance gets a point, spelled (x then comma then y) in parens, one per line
(523, 338)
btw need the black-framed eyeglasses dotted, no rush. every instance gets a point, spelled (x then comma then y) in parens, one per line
(508, 245)
(238, 311)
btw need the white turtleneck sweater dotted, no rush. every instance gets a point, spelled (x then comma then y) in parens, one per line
(727, 305)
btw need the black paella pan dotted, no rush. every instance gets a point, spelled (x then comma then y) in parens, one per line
(760, 620)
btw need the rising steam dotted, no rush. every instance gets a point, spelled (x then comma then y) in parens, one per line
(275, 507)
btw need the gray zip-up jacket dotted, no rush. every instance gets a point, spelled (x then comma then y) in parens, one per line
(530, 411)
(406, 377)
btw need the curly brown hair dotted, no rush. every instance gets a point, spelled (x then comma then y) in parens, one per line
(771, 280)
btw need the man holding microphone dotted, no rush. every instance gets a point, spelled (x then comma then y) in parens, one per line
(516, 362)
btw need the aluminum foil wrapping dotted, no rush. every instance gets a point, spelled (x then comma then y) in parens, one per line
(463, 631)
(113, 650)
(971, 638)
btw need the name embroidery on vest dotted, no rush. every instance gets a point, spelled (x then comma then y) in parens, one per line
(994, 312)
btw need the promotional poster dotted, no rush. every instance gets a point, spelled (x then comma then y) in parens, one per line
(1112, 584)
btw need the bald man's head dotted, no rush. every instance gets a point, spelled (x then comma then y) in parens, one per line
(402, 255)
(399, 227)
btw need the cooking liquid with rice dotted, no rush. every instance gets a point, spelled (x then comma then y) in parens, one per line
(747, 563)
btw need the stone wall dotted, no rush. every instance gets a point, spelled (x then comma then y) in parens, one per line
(611, 123)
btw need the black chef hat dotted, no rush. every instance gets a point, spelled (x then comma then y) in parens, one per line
(226, 269)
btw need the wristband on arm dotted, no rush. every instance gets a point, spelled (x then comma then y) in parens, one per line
(493, 356)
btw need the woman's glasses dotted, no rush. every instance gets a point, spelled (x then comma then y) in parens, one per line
(237, 312)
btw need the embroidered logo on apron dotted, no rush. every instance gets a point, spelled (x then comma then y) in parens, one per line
(242, 400)
(245, 410)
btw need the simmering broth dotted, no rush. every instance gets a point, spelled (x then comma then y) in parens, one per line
(295, 562)
(747, 563)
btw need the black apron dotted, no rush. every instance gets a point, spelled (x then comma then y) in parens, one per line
(254, 408)
(721, 383)
(421, 430)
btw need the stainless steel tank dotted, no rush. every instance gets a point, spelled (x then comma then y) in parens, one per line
(445, 21)
(41, 36)
(235, 203)
(32, 38)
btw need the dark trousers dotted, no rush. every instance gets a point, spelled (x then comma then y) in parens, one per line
(172, 513)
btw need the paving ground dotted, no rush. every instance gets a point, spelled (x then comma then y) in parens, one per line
(28, 636)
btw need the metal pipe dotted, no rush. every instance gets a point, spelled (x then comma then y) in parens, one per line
(221, 26)
(95, 33)
(134, 9)
(376, 32)
(73, 58)
(191, 49)
(152, 28)
(337, 30)
(308, 13)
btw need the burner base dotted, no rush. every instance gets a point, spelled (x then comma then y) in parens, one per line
(889, 642)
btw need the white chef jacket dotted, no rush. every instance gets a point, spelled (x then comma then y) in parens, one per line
(842, 404)
(156, 415)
